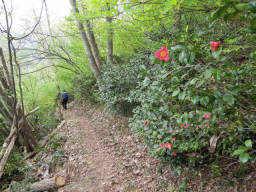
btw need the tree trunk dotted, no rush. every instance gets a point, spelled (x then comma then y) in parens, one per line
(110, 41)
(94, 46)
(110, 36)
(86, 43)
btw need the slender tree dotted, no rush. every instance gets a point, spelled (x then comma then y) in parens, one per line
(109, 20)
(93, 43)
(85, 40)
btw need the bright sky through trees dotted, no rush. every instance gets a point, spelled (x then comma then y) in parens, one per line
(24, 12)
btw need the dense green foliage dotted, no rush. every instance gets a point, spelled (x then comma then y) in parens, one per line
(173, 97)
(197, 108)
(38, 91)
(86, 88)
(116, 83)
(179, 92)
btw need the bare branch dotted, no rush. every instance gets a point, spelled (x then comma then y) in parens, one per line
(32, 112)
(37, 23)
(38, 70)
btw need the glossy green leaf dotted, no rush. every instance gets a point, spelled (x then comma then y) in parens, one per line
(248, 143)
(240, 150)
(228, 98)
(217, 75)
(195, 99)
(208, 73)
(182, 56)
(178, 47)
(192, 57)
(175, 80)
(182, 96)
(193, 81)
(146, 81)
(204, 100)
(237, 152)
(216, 54)
(243, 157)
(176, 92)
(143, 67)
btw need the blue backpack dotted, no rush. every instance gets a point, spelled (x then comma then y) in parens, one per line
(64, 95)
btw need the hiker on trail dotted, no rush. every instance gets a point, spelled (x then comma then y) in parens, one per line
(64, 99)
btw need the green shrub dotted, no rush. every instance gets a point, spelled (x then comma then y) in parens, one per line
(175, 96)
(116, 83)
(86, 88)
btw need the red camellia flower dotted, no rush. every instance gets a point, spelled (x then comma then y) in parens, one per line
(145, 123)
(162, 146)
(121, 100)
(168, 145)
(162, 54)
(174, 154)
(215, 45)
(185, 126)
(207, 116)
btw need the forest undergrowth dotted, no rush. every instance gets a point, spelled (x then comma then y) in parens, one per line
(180, 72)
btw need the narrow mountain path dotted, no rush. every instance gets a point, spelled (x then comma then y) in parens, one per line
(102, 155)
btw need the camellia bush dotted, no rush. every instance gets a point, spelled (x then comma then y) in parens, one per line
(86, 88)
(116, 83)
(195, 113)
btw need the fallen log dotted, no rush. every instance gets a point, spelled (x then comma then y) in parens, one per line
(6, 155)
(46, 184)
(43, 142)
(7, 140)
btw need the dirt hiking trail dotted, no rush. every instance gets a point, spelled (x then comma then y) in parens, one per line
(102, 155)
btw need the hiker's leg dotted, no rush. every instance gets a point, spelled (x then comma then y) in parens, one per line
(63, 104)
